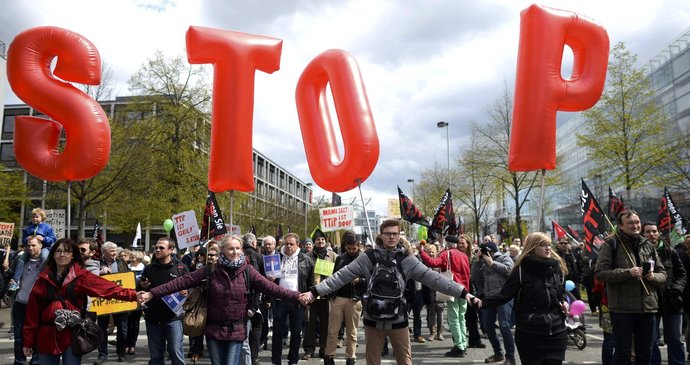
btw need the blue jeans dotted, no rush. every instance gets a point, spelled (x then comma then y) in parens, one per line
(68, 358)
(675, 348)
(224, 352)
(18, 314)
(160, 334)
(503, 313)
(625, 325)
(120, 321)
(282, 312)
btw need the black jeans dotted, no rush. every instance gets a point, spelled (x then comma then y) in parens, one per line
(120, 321)
(18, 314)
(133, 319)
(627, 325)
(318, 321)
(283, 312)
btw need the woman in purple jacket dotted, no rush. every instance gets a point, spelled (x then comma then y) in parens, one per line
(227, 299)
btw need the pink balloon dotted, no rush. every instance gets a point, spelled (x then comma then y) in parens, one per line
(577, 308)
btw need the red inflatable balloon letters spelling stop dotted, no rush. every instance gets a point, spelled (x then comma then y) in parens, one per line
(235, 57)
(36, 140)
(360, 141)
(540, 90)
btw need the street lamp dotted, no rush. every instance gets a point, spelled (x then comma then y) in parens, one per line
(306, 208)
(443, 124)
(411, 181)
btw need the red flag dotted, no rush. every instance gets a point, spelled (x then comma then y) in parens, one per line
(558, 231)
(593, 218)
(615, 205)
(409, 211)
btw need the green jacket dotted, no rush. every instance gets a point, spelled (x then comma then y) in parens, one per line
(625, 293)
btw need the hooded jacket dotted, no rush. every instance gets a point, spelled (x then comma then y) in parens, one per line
(39, 328)
(227, 298)
(44, 229)
(490, 279)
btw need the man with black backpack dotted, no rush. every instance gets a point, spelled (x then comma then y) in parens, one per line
(385, 269)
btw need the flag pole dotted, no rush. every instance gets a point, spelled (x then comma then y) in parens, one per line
(364, 206)
(69, 207)
(232, 205)
(632, 262)
(541, 202)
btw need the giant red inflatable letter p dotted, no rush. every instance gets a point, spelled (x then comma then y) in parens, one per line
(87, 132)
(540, 90)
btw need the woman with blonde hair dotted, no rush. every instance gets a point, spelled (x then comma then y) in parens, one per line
(537, 285)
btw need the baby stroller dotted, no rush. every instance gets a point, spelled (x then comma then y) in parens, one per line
(575, 326)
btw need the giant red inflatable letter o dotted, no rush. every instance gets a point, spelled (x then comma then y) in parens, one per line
(360, 141)
(540, 90)
(235, 57)
(87, 146)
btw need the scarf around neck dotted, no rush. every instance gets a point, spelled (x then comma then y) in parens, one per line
(230, 264)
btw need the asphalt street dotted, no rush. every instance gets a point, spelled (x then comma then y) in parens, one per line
(422, 353)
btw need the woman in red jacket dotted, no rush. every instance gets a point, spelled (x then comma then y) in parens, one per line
(227, 303)
(63, 284)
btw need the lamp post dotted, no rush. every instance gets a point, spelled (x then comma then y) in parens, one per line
(412, 182)
(443, 124)
(306, 208)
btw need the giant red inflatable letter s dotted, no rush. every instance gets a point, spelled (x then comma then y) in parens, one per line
(361, 143)
(540, 90)
(87, 146)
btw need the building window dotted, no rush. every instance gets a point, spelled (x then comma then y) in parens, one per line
(7, 155)
(8, 127)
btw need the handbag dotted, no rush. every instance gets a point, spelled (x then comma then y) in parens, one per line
(86, 334)
(441, 297)
(195, 309)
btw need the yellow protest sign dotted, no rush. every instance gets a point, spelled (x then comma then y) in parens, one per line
(108, 306)
(324, 267)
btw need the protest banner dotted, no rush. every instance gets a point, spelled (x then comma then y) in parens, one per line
(57, 219)
(186, 229)
(233, 229)
(109, 306)
(6, 232)
(335, 218)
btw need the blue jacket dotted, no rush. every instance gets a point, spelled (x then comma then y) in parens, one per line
(44, 229)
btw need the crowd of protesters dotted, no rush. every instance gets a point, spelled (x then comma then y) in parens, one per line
(634, 281)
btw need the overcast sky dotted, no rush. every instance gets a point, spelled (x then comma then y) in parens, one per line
(421, 61)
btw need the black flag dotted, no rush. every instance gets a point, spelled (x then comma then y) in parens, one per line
(593, 218)
(336, 200)
(279, 232)
(615, 205)
(669, 220)
(444, 216)
(213, 224)
(409, 211)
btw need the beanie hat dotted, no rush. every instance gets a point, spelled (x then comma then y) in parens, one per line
(452, 239)
(492, 246)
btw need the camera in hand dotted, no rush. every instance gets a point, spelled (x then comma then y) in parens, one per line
(484, 250)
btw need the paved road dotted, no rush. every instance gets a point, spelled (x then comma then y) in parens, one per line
(427, 353)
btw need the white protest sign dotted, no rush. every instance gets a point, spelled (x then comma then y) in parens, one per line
(233, 229)
(335, 218)
(57, 219)
(186, 229)
(6, 232)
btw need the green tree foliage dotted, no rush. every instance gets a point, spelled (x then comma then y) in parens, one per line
(493, 142)
(625, 131)
(172, 131)
(12, 194)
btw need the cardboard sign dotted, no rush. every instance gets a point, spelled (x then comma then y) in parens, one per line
(324, 267)
(109, 306)
(57, 218)
(6, 232)
(335, 218)
(186, 229)
(272, 265)
(233, 229)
